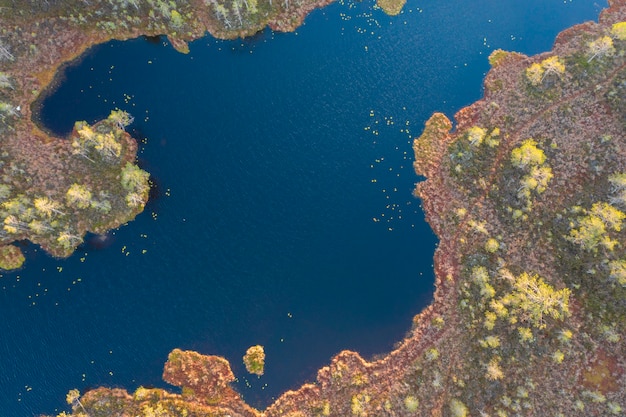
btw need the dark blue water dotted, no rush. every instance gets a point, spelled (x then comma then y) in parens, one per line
(283, 213)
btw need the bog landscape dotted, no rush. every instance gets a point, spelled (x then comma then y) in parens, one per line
(525, 190)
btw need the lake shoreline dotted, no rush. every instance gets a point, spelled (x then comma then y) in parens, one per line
(349, 385)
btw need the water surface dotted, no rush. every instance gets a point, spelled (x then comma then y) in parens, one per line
(282, 214)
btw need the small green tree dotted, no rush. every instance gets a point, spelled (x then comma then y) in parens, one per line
(618, 188)
(15, 206)
(617, 271)
(121, 118)
(527, 154)
(39, 227)
(600, 48)
(494, 371)
(78, 196)
(47, 206)
(492, 245)
(589, 234)
(533, 299)
(108, 146)
(614, 408)
(13, 225)
(73, 398)
(542, 175)
(618, 181)
(525, 334)
(618, 31)
(457, 408)
(68, 240)
(490, 320)
(176, 19)
(534, 74)
(5, 81)
(5, 191)
(359, 404)
(611, 216)
(558, 356)
(537, 72)
(490, 342)
(553, 66)
(134, 179)
(527, 184)
(593, 228)
(475, 135)
(411, 403)
(432, 354)
(565, 336)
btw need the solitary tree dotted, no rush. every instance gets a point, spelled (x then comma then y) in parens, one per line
(537, 72)
(47, 206)
(457, 408)
(176, 19)
(618, 188)
(68, 240)
(593, 229)
(73, 398)
(600, 48)
(589, 233)
(14, 206)
(553, 66)
(121, 118)
(525, 334)
(527, 184)
(85, 132)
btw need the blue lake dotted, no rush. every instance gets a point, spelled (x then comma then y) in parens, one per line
(282, 212)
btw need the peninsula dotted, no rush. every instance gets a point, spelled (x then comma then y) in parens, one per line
(54, 190)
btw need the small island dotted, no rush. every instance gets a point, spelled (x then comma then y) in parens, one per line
(254, 359)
